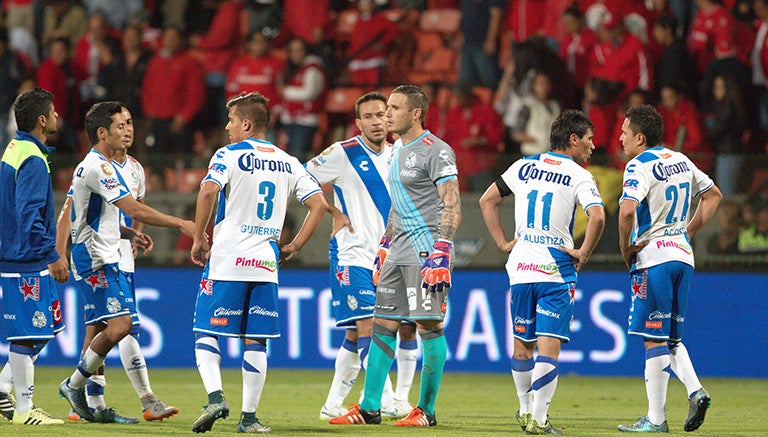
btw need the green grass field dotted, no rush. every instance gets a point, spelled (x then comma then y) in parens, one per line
(469, 404)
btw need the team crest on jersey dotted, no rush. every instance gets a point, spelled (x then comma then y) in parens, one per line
(30, 288)
(327, 151)
(206, 286)
(113, 305)
(107, 168)
(410, 161)
(352, 302)
(342, 275)
(640, 285)
(97, 279)
(39, 320)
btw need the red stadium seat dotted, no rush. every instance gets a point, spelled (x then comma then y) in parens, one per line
(342, 100)
(446, 21)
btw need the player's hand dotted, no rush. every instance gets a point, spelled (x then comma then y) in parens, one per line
(630, 253)
(508, 246)
(200, 252)
(187, 228)
(437, 270)
(340, 221)
(287, 252)
(381, 255)
(578, 257)
(143, 242)
(59, 269)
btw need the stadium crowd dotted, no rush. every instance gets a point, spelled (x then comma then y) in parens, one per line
(498, 73)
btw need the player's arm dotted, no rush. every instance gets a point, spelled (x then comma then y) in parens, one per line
(627, 209)
(706, 209)
(317, 206)
(143, 213)
(206, 200)
(595, 226)
(489, 206)
(436, 269)
(64, 229)
(451, 218)
(340, 220)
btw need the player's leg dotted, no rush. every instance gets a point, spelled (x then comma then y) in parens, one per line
(407, 355)
(7, 400)
(523, 310)
(260, 325)
(346, 369)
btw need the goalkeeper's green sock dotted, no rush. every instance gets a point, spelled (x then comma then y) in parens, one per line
(435, 350)
(380, 357)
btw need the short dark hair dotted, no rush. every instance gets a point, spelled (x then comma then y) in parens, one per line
(369, 97)
(416, 98)
(251, 106)
(100, 115)
(667, 21)
(567, 123)
(29, 106)
(646, 120)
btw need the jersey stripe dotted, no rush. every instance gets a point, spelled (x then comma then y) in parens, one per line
(370, 177)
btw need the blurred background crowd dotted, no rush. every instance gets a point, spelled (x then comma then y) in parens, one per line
(497, 73)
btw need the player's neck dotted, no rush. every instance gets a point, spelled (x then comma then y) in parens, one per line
(105, 150)
(120, 157)
(371, 145)
(415, 132)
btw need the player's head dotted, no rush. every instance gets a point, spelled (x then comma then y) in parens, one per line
(370, 110)
(105, 124)
(643, 127)
(407, 106)
(571, 133)
(248, 115)
(128, 124)
(34, 108)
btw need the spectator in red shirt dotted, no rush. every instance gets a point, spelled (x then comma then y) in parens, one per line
(474, 130)
(616, 156)
(711, 35)
(368, 48)
(525, 19)
(172, 95)
(577, 46)
(600, 105)
(305, 19)
(55, 75)
(683, 127)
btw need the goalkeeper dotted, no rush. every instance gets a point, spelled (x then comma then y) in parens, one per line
(413, 267)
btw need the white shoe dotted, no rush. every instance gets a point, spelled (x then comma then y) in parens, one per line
(329, 413)
(397, 410)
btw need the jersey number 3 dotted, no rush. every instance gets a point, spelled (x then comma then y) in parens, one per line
(267, 203)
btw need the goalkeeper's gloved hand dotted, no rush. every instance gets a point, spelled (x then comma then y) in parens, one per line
(436, 270)
(381, 255)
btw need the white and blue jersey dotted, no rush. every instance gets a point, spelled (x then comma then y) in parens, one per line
(96, 185)
(256, 180)
(547, 189)
(663, 183)
(132, 173)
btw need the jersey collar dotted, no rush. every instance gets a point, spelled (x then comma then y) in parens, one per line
(559, 155)
(26, 136)
(419, 138)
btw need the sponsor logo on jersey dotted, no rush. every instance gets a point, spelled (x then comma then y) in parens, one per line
(665, 155)
(264, 264)
(259, 311)
(685, 247)
(110, 183)
(551, 161)
(428, 141)
(218, 321)
(630, 169)
(56, 311)
(318, 161)
(7, 316)
(448, 170)
(572, 292)
(107, 169)
(640, 285)
(384, 290)
(250, 162)
(663, 172)
(520, 329)
(217, 167)
(342, 275)
(206, 286)
(547, 269)
(30, 289)
(226, 312)
(220, 154)
(631, 183)
(547, 313)
(265, 149)
(408, 173)
(531, 172)
(97, 279)
(653, 325)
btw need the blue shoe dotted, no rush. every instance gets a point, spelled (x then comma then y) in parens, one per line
(211, 413)
(76, 399)
(644, 425)
(110, 416)
(697, 409)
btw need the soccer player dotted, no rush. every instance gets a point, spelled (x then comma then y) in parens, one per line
(357, 168)
(543, 262)
(251, 181)
(132, 359)
(655, 229)
(29, 263)
(413, 268)
(99, 194)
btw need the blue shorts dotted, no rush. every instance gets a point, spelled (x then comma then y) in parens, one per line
(134, 306)
(237, 309)
(353, 294)
(542, 309)
(107, 294)
(660, 301)
(31, 307)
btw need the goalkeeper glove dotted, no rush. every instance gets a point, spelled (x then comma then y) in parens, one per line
(381, 255)
(436, 270)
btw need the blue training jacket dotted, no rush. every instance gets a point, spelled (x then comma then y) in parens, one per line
(27, 223)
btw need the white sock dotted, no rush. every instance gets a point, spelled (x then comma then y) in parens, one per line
(657, 367)
(6, 380)
(135, 365)
(254, 375)
(681, 364)
(407, 355)
(88, 364)
(347, 366)
(23, 370)
(543, 385)
(522, 374)
(94, 391)
(208, 357)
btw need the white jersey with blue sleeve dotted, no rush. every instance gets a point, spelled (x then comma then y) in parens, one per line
(547, 189)
(133, 174)
(361, 191)
(256, 180)
(663, 183)
(96, 185)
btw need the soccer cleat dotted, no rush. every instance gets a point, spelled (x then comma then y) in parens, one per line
(417, 417)
(644, 425)
(35, 416)
(397, 410)
(534, 428)
(109, 415)
(523, 419)
(211, 413)
(7, 405)
(329, 413)
(252, 427)
(76, 399)
(74, 417)
(697, 409)
(357, 416)
(159, 411)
